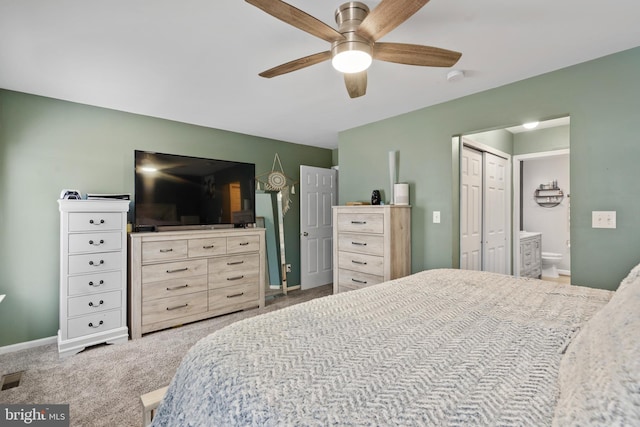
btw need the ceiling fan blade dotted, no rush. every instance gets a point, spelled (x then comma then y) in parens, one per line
(415, 54)
(387, 16)
(299, 19)
(296, 64)
(356, 83)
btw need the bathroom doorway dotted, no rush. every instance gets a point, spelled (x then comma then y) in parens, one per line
(548, 144)
(542, 194)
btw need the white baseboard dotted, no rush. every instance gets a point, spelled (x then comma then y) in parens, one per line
(28, 344)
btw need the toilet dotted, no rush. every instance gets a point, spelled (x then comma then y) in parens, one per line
(550, 261)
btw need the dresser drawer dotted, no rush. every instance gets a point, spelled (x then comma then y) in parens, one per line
(361, 222)
(92, 283)
(95, 221)
(94, 323)
(239, 244)
(95, 242)
(164, 250)
(173, 287)
(221, 298)
(234, 270)
(355, 279)
(91, 263)
(361, 243)
(369, 264)
(207, 247)
(173, 270)
(86, 304)
(159, 310)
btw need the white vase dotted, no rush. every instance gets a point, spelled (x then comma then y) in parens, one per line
(392, 173)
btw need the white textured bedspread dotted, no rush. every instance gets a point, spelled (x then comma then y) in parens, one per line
(440, 347)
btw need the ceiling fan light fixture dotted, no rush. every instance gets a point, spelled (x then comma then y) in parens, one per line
(351, 56)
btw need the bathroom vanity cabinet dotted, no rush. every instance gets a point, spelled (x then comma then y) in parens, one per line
(531, 255)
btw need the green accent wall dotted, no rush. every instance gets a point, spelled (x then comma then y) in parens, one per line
(603, 99)
(47, 145)
(541, 140)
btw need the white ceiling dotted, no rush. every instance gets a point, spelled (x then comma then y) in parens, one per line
(197, 61)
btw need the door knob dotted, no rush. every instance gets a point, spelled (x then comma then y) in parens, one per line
(305, 234)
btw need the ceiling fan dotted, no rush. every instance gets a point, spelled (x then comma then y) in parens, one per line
(354, 45)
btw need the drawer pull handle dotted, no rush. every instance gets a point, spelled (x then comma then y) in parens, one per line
(164, 251)
(359, 222)
(235, 263)
(235, 278)
(358, 243)
(364, 282)
(97, 326)
(100, 283)
(178, 287)
(96, 264)
(91, 242)
(177, 307)
(244, 243)
(235, 295)
(358, 262)
(178, 270)
(209, 247)
(96, 223)
(91, 304)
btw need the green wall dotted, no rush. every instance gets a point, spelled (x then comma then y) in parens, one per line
(551, 139)
(47, 145)
(603, 99)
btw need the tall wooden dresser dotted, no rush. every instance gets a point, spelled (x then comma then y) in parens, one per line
(93, 274)
(177, 277)
(371, 244)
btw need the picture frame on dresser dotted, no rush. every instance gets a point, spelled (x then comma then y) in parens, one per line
(93, 274)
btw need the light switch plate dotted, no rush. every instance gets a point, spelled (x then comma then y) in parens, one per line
(603, 219)
(436, 217)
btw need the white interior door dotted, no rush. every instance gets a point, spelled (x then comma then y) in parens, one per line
(495, 214)
(317, 196)
(471, 209)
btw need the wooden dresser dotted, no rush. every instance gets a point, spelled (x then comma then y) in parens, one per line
(179, 277)
(93, 274)
(371, 244)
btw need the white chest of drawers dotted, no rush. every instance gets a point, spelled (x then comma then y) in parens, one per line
(371, 244)
(177, 277)
(93, 274)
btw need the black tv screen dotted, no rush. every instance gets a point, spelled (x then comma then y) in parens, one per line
(191, 192)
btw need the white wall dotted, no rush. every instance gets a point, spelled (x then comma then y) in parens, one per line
(553, 222)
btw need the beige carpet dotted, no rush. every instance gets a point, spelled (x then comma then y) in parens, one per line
(103, 384)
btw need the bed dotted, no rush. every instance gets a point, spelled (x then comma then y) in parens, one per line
(440, 347)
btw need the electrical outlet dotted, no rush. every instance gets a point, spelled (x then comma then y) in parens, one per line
(288, 267)
(603, 219)
(436, 217)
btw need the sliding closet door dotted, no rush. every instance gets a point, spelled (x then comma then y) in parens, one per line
(471, 209)
(495, 214)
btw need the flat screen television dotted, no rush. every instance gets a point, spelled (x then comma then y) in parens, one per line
(182, 192)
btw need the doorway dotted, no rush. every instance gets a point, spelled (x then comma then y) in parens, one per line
(318, 193)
